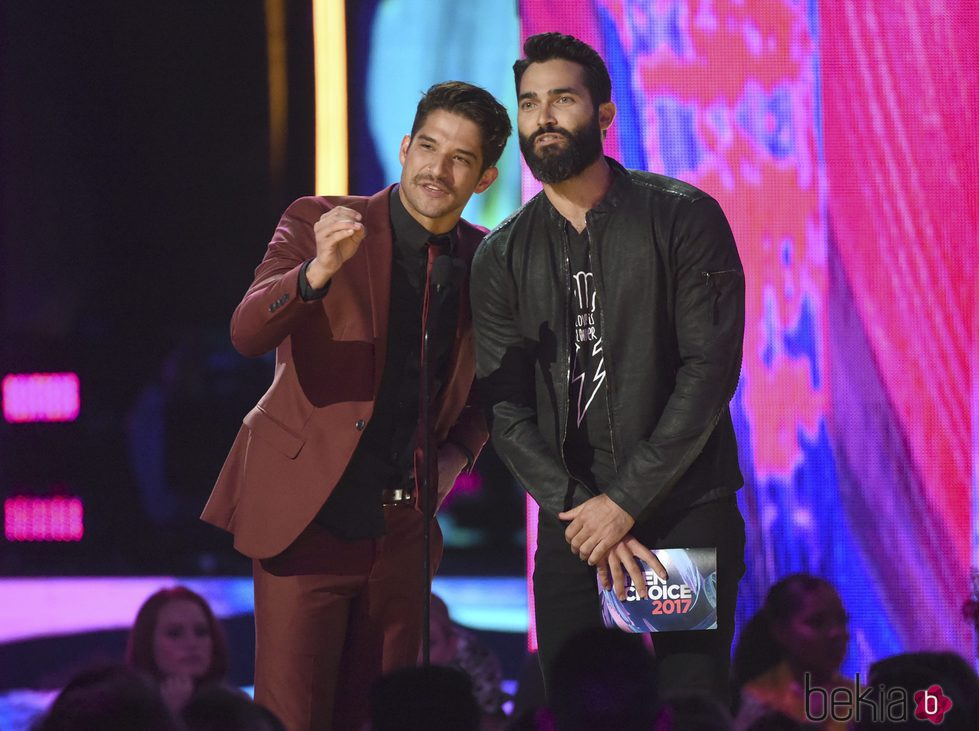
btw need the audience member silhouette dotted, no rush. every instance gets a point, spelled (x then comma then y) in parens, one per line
(110, 697)
(916, 671)
(432, 698)
(604, 680)
(457, 647)
(798, 640)
(177, 640)
(692, 711)
(219, 708)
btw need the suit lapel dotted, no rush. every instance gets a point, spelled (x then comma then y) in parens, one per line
(377, 221)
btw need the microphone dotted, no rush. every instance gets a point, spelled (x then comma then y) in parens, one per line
(447, 272)
(441, 272)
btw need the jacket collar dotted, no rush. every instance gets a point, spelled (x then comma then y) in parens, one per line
(378, 249)
(621, 183)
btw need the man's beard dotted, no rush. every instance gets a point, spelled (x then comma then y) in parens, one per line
(555, 164)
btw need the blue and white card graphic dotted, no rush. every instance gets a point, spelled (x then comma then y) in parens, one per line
(687, 600)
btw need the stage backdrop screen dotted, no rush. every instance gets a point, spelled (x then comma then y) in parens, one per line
(839, 138)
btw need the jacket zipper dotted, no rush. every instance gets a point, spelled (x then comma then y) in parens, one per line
(565, 250)
(593, 255)
(716, 305)
(708, 275)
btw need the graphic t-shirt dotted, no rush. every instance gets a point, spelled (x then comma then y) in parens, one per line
(588, 446)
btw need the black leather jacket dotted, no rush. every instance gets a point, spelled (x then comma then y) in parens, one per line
(670, 290)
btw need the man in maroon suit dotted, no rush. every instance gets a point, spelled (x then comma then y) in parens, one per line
(319, 488)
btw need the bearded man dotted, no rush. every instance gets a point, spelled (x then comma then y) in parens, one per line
(609, 318)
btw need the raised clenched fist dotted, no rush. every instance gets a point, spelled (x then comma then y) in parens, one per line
(338, 234)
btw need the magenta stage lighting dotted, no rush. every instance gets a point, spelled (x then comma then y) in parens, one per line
(40, 397)
(467, 482)
(43, 519)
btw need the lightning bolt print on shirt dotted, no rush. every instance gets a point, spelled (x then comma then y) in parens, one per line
(588, 447)
(587, 346)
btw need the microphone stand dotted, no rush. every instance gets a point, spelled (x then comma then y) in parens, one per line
(425, 496)
(441, 275)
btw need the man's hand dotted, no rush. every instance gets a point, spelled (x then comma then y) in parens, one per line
(451, 462)
(621, 560)
(596, 525)
(338, 235)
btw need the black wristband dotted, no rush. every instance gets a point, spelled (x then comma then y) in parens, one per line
(306, 291)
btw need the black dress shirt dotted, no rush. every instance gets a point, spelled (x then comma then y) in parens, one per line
(384, 456)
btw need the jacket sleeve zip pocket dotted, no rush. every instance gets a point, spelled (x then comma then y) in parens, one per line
(711, 280)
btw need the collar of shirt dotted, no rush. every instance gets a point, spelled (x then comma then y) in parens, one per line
(614, 196)
(411, 237)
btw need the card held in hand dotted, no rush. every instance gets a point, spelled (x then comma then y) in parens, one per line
(687, 600)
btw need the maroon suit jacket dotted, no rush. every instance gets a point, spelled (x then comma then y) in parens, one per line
(329, 357)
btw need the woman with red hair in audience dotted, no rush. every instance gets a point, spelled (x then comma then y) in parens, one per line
(177, 640)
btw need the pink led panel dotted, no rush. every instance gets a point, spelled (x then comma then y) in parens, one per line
(27, 518)
(467, 483)
(34, 397)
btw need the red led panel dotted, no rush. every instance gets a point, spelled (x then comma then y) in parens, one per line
(43, 519)
(36, 397)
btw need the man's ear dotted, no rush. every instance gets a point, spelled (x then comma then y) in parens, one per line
(606, 113)
(489, 175)
(403, 152)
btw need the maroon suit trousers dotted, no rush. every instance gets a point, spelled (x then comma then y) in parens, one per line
(333, 615)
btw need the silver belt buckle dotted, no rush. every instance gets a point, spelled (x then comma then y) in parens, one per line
(396, 496)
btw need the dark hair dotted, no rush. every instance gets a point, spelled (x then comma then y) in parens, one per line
(420, 698)
(549, 46)
(757, 649)
(139, 653)
(109, 697)
(475, 104)
(692, 710)
(440, 612)
(603, 679)
(225, 709)
(913, 671)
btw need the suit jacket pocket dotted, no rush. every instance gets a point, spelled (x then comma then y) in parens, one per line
(270, 431)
